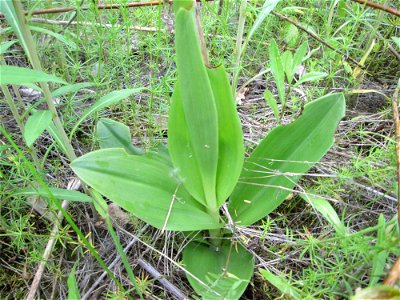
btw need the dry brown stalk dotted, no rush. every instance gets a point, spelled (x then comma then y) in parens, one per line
(58, 10)
(388, 9)
(73, 185)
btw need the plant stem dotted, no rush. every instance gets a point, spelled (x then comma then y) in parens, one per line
(240, 48)
(34, 59)
(215, 234)
(284, 104)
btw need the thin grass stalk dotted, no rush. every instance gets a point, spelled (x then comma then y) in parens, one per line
(32, 54)
(20, 123)
(240, 47)
(123, 256)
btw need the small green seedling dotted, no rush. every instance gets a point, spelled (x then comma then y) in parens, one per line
(284, 67)
(183, 186)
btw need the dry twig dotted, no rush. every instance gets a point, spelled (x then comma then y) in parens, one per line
(72, 185)
(388, 9)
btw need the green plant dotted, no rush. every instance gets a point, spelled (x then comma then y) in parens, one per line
(284, 67)
(183, 187)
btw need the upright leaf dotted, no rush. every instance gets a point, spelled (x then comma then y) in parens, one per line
(270, 99)
(107, 100)
(17, 75)
(113, 134)
(277, 69)
(287, 62)
(298, 58)
(36, 124)
(230, 136)
(7, 8)
(147, 188)
(274, 167)
(379, 259)
(224, 273)
(193, 127)
(266, 9)
(73, 290)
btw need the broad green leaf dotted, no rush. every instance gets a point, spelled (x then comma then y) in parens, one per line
(380, 292)
(193, 123)
(161, 154)
(270, 173)
(113, 134)
(277, 69)
(270, 99)
(58, 36)
(17, 75)
(147, 188)
(298, 58)
(57, 193)
(327, 211)
(312, 76)
(230, 136)
(57, 137)
(379, 259)
(7, 8)
(281, 284)
(72, 88)
(291, 35)
(5, 46)
(107, 100)
(266, 9)
(287, 62)
(224, 274)
(73, 289)
(36, 124)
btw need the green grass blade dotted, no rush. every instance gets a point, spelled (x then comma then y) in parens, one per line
(7, 8)
(277, 69)
(36, 124)
(266, 9)
(311, 76)
(107, 100)
(71, 44)
(281, 284)
(73, 290)
(17, 75)
(61, 194)
(71, 88)
(327, 211)
(5, 46)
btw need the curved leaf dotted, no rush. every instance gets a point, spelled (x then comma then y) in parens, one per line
(5, 46)
(224, 274)
(113, 134)
(17, 75)
(58, 36)
(36, 124)
(147, 188)
(107, 100)
(277, 69)
(72, 88)
(274, 167)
